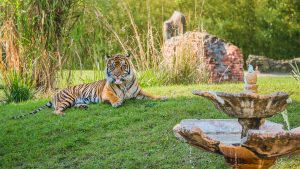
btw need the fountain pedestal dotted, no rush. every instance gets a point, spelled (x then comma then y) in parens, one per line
(251, 123)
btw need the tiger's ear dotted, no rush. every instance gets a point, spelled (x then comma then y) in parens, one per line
(128, 55)
(106, 57)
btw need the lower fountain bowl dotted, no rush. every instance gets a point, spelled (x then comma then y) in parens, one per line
(259, 149)
(241, 157)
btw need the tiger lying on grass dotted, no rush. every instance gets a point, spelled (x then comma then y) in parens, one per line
(120, 84)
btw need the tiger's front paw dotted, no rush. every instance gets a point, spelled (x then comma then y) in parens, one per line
(164, 98)
(59, 113)
(116, 104)
(82, 106)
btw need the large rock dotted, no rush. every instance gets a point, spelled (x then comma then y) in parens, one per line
(222, 60)
(270, 65)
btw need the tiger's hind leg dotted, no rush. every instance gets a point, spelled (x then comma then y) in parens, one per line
(60, 107)
(63, 100)
(81, 106)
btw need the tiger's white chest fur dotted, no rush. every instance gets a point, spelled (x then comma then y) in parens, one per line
(127, 90)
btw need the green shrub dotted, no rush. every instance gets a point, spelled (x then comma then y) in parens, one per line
(17, 88)
(151, 78)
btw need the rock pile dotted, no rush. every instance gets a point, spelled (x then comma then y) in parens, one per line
(223, 61)
(267, 65)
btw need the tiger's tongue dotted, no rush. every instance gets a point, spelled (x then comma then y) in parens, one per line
(118, 81)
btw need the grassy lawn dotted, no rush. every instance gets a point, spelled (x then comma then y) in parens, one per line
(136, 135)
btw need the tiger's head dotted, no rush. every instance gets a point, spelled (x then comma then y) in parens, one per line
(119, 69)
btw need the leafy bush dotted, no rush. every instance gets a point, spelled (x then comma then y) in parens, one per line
(17, 88)
(151, 78)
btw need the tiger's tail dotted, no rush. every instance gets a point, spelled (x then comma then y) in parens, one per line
(49, 105)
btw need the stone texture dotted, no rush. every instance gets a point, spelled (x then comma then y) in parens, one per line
(250, 80)
(266, 144)
(267, 65)
(223, 60)
(197, 138)
(241, 158)
(174, 26)
(250, 123)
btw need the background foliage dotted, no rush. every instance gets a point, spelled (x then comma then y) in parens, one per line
(50, 35)
(261, 27)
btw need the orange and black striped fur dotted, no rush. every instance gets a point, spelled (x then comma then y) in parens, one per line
(120, 84)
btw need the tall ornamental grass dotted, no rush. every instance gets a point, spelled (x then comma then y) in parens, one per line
(32, 40)
(296, 72)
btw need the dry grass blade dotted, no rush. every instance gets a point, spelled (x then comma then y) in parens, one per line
(31, 45)
(109, 27)
(186, 63)
(295, 71)
(9, 44)
(137, 37)
(142, 44)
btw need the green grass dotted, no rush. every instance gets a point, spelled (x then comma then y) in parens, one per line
(136, 135)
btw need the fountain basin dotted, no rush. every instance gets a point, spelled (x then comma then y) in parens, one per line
(250, 108)
(247, 105)
(269, 143)
(259, 148)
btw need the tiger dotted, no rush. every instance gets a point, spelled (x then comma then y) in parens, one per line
(120, 84)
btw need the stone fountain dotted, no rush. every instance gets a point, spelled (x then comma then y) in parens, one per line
(250, 141)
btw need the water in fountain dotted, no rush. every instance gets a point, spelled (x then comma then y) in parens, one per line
(235, 158)
(191, 162)
(286, 118)
(190, 156)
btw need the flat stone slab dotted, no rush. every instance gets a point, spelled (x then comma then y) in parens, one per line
(227, 131)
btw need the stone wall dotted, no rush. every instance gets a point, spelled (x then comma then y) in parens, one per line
(224, 61)
(267, 65)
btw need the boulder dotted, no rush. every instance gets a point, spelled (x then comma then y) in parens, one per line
(267, 65)
(223, 61)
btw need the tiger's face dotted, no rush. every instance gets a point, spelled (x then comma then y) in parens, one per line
(118, 69)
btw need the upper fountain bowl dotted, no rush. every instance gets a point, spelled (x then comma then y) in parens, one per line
(247, 105)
